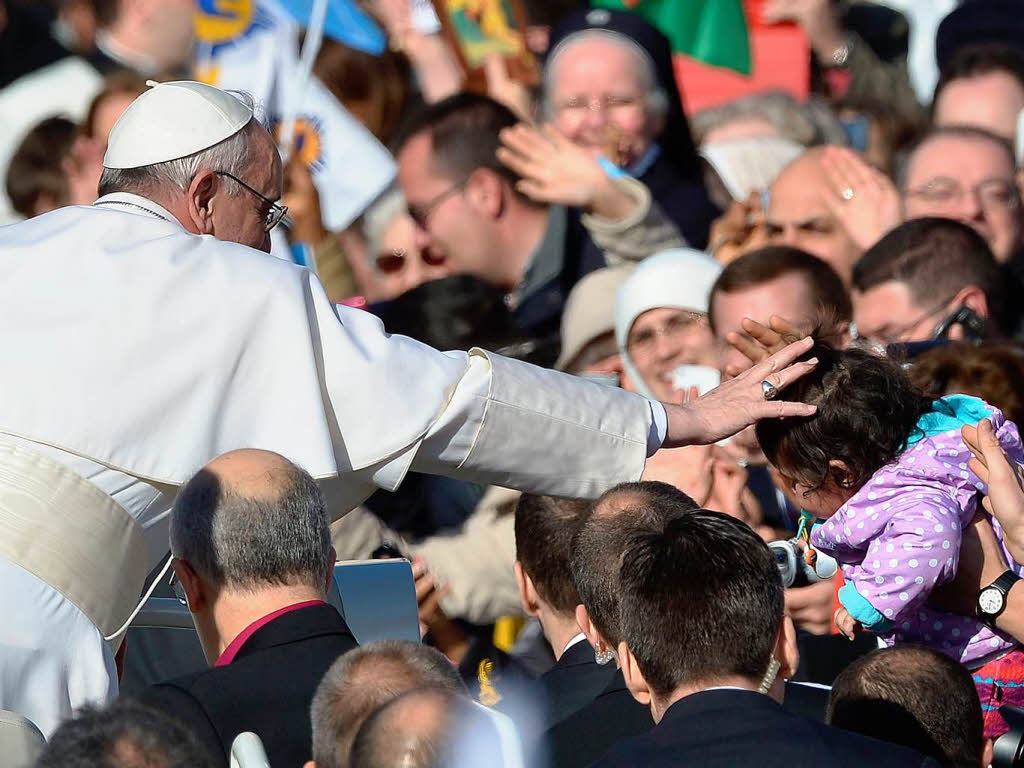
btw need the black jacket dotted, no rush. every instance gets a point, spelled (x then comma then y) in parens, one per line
(614, 715)
(573, 682)
(728, 727)
(266, 689)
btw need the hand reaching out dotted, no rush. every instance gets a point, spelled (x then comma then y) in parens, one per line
(759, 342)
(866, 202)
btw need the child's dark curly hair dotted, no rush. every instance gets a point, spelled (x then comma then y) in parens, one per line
(867, 408)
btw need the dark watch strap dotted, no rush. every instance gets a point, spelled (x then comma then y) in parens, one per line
(1006, 580)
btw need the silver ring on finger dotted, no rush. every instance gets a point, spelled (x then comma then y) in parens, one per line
(847, 194)
(769, 390)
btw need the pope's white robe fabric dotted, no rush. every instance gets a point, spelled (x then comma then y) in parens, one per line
(135, 352)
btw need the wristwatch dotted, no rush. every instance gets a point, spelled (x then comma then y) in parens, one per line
(992, 599)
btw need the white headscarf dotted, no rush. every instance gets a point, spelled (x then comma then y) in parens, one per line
(680, 278)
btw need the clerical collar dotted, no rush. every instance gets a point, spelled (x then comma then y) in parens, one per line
(579, 637)
(136, 204)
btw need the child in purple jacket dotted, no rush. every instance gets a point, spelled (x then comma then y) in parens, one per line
(887, 471)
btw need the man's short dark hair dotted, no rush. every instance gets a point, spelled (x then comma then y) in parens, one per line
(981, 59)
(362, 680)
(249, 541)
(599, 544)
(427, 728)
(545, 526)
(826, 289)
(913, 696)
(935, 257)
(125, 735)
(463, 130)
(701, 601)
(36, 167)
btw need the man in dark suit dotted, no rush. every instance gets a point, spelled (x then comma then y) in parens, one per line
(253, 556)
(706, 646)
(544, 529)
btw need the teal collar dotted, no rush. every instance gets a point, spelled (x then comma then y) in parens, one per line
(949, 413)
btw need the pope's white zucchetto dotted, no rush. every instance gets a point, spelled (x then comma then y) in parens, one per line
(174, 120)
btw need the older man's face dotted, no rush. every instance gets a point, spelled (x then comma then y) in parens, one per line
(243, 215)
(798, 215)
(969, 179)
(598, 101)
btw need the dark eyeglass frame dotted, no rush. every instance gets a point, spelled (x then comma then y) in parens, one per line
(273, 216)
(421, 213)
(179, 589)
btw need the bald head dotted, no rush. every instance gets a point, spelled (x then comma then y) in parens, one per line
(799, 215)
(364, 679)
(252, 519)
(425, 728)
(599, 543)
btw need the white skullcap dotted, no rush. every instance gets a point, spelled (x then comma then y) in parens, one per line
(680, 278)
(174, 120)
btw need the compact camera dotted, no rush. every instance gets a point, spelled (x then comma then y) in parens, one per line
(800, 565)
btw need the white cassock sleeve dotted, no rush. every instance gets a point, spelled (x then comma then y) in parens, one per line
(513, 424)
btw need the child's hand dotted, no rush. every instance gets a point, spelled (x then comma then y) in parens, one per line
(846, 624)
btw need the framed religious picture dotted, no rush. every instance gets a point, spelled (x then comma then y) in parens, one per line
(479, 29)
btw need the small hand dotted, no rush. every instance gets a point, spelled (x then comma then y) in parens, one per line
(815, 17)
(446, 635)
(758, 342)
(875, 205)
(846, 624)
(739, 230)
(1005, 499)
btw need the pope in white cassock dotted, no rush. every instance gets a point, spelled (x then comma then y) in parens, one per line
(148, 333)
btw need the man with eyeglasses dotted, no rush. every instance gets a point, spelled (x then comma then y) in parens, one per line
(929, 279)
(143, 335)
(966, 173)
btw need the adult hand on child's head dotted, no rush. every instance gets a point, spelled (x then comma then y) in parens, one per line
(810, 607)
(1005, 499)
(739, 402)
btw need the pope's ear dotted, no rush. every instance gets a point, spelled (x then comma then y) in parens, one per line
(201, 191)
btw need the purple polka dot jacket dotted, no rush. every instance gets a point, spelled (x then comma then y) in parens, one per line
(899, 537)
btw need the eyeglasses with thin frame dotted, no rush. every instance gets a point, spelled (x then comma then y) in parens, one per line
(607, 104)
(992, 194)
(641, 343)
(275, 211)
(421, 213)
(896, 335)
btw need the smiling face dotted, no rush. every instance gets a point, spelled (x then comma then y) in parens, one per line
(970, 179)
(598, 100)
(662, 339)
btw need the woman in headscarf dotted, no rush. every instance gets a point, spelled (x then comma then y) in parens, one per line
(661, 324)
(609, 86)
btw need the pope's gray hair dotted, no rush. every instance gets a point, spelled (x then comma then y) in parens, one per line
(655, 96)
(251, 541)
(233, 155)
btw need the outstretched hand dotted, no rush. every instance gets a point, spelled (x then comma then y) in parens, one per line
(758, 342)
(740, 402)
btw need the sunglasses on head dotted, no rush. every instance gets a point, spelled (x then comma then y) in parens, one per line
(389, 263)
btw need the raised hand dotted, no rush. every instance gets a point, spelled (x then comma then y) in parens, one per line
(740, 402)
(865, 201)
(554, 170)
(759, 342)
(1005, 499)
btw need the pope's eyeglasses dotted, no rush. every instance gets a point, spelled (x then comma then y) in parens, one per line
(275, 211)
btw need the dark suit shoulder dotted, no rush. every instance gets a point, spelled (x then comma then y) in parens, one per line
(175, 699)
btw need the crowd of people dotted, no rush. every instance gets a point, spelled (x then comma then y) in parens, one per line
(718, 463)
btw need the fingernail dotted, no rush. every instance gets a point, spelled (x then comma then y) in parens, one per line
(813, 361)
